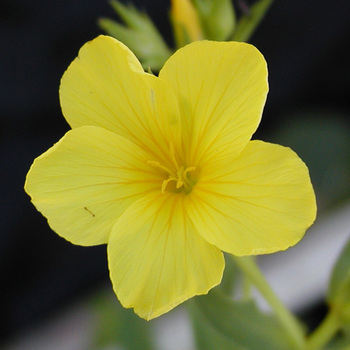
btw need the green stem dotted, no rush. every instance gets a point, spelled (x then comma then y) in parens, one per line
(248, 23)
(246, 288)
(324, 333)
(288, 321)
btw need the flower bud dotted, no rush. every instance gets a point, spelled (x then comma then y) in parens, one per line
(186, 23)
(139, 34)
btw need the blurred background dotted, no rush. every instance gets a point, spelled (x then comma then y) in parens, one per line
(306, 46)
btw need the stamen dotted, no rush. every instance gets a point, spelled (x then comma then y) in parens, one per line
(187, 170)
(172, 152)
(165, 183)
(179, 176)
(179, 183)
(158, 165)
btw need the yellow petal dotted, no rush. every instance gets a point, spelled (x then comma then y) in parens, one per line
(106, 86)
(221, 89)
(159, 260)
(85, 181)
(261, 202)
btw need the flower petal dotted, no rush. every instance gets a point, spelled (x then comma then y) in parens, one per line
(106, 86)
(85, 181)
(159, 260)
(262, 202)
(221, 88)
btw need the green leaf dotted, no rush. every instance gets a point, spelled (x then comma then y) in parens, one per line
(341, 342)
(138, 33)
(129, 14)
(119, 326)
(248, 23)
(231, 277)
(234, 324)
(208, 337)
(339, 289)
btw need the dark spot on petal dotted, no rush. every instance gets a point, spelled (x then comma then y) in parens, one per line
(90, 212)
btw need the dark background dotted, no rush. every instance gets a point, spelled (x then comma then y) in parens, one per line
(306, 44)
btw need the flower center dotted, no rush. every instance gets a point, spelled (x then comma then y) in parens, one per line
(178, 176)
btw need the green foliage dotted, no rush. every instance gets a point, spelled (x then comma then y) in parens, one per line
(339, 289)
(138, 33)
(321, 138)
(223, 323)
(231, 277)
(248, 23)
(340, 343)
(119, 326)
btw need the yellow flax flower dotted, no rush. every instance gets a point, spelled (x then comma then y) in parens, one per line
(162, 169)
(186, 22)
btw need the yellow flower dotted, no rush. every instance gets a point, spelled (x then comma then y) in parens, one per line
(162, 169)
(186, 23)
